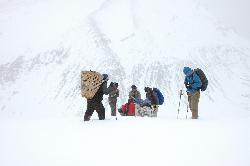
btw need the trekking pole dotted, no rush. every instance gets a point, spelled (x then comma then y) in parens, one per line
(187, 111)
(179, 104)
(115, 114)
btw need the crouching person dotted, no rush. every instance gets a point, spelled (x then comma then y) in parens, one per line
(149, 106)
(128, 109)
(153, 100)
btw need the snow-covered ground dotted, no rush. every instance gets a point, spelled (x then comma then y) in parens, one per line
(126, 141)
(44, 44)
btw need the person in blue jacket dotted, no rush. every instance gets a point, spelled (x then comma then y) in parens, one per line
(193, 84)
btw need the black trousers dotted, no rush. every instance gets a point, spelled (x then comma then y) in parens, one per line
(95, 106)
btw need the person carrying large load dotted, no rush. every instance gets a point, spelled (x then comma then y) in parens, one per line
(93, 87)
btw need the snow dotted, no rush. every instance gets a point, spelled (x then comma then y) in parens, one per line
(45, 44)
(126, 141)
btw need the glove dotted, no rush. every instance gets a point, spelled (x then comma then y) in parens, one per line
(188, 86)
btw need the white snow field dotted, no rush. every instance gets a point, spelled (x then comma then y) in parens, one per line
(44, 44)
(127, 141)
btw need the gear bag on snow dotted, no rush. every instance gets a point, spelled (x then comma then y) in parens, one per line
(203, 78)
(159, 95)
(90, 83)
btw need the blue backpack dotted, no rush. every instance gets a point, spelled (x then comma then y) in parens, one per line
(159, 95)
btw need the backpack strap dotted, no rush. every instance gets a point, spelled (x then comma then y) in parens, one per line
(195, 72)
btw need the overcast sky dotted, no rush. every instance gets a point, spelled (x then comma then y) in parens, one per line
(233, 13)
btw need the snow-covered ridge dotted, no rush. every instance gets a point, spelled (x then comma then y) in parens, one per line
(44, 44)
(146, 43)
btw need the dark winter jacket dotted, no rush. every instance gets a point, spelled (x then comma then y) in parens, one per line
(152, 96)
(114, 93)
(98, 97)
(192, 80)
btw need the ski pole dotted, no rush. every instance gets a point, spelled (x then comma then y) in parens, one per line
(179, 103)
(187, 111)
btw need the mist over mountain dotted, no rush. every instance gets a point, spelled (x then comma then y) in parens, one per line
(45, 44)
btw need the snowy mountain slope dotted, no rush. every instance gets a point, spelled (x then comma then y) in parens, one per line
(173, 43)
(146, 43)
(233, 13)
(45, 44)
